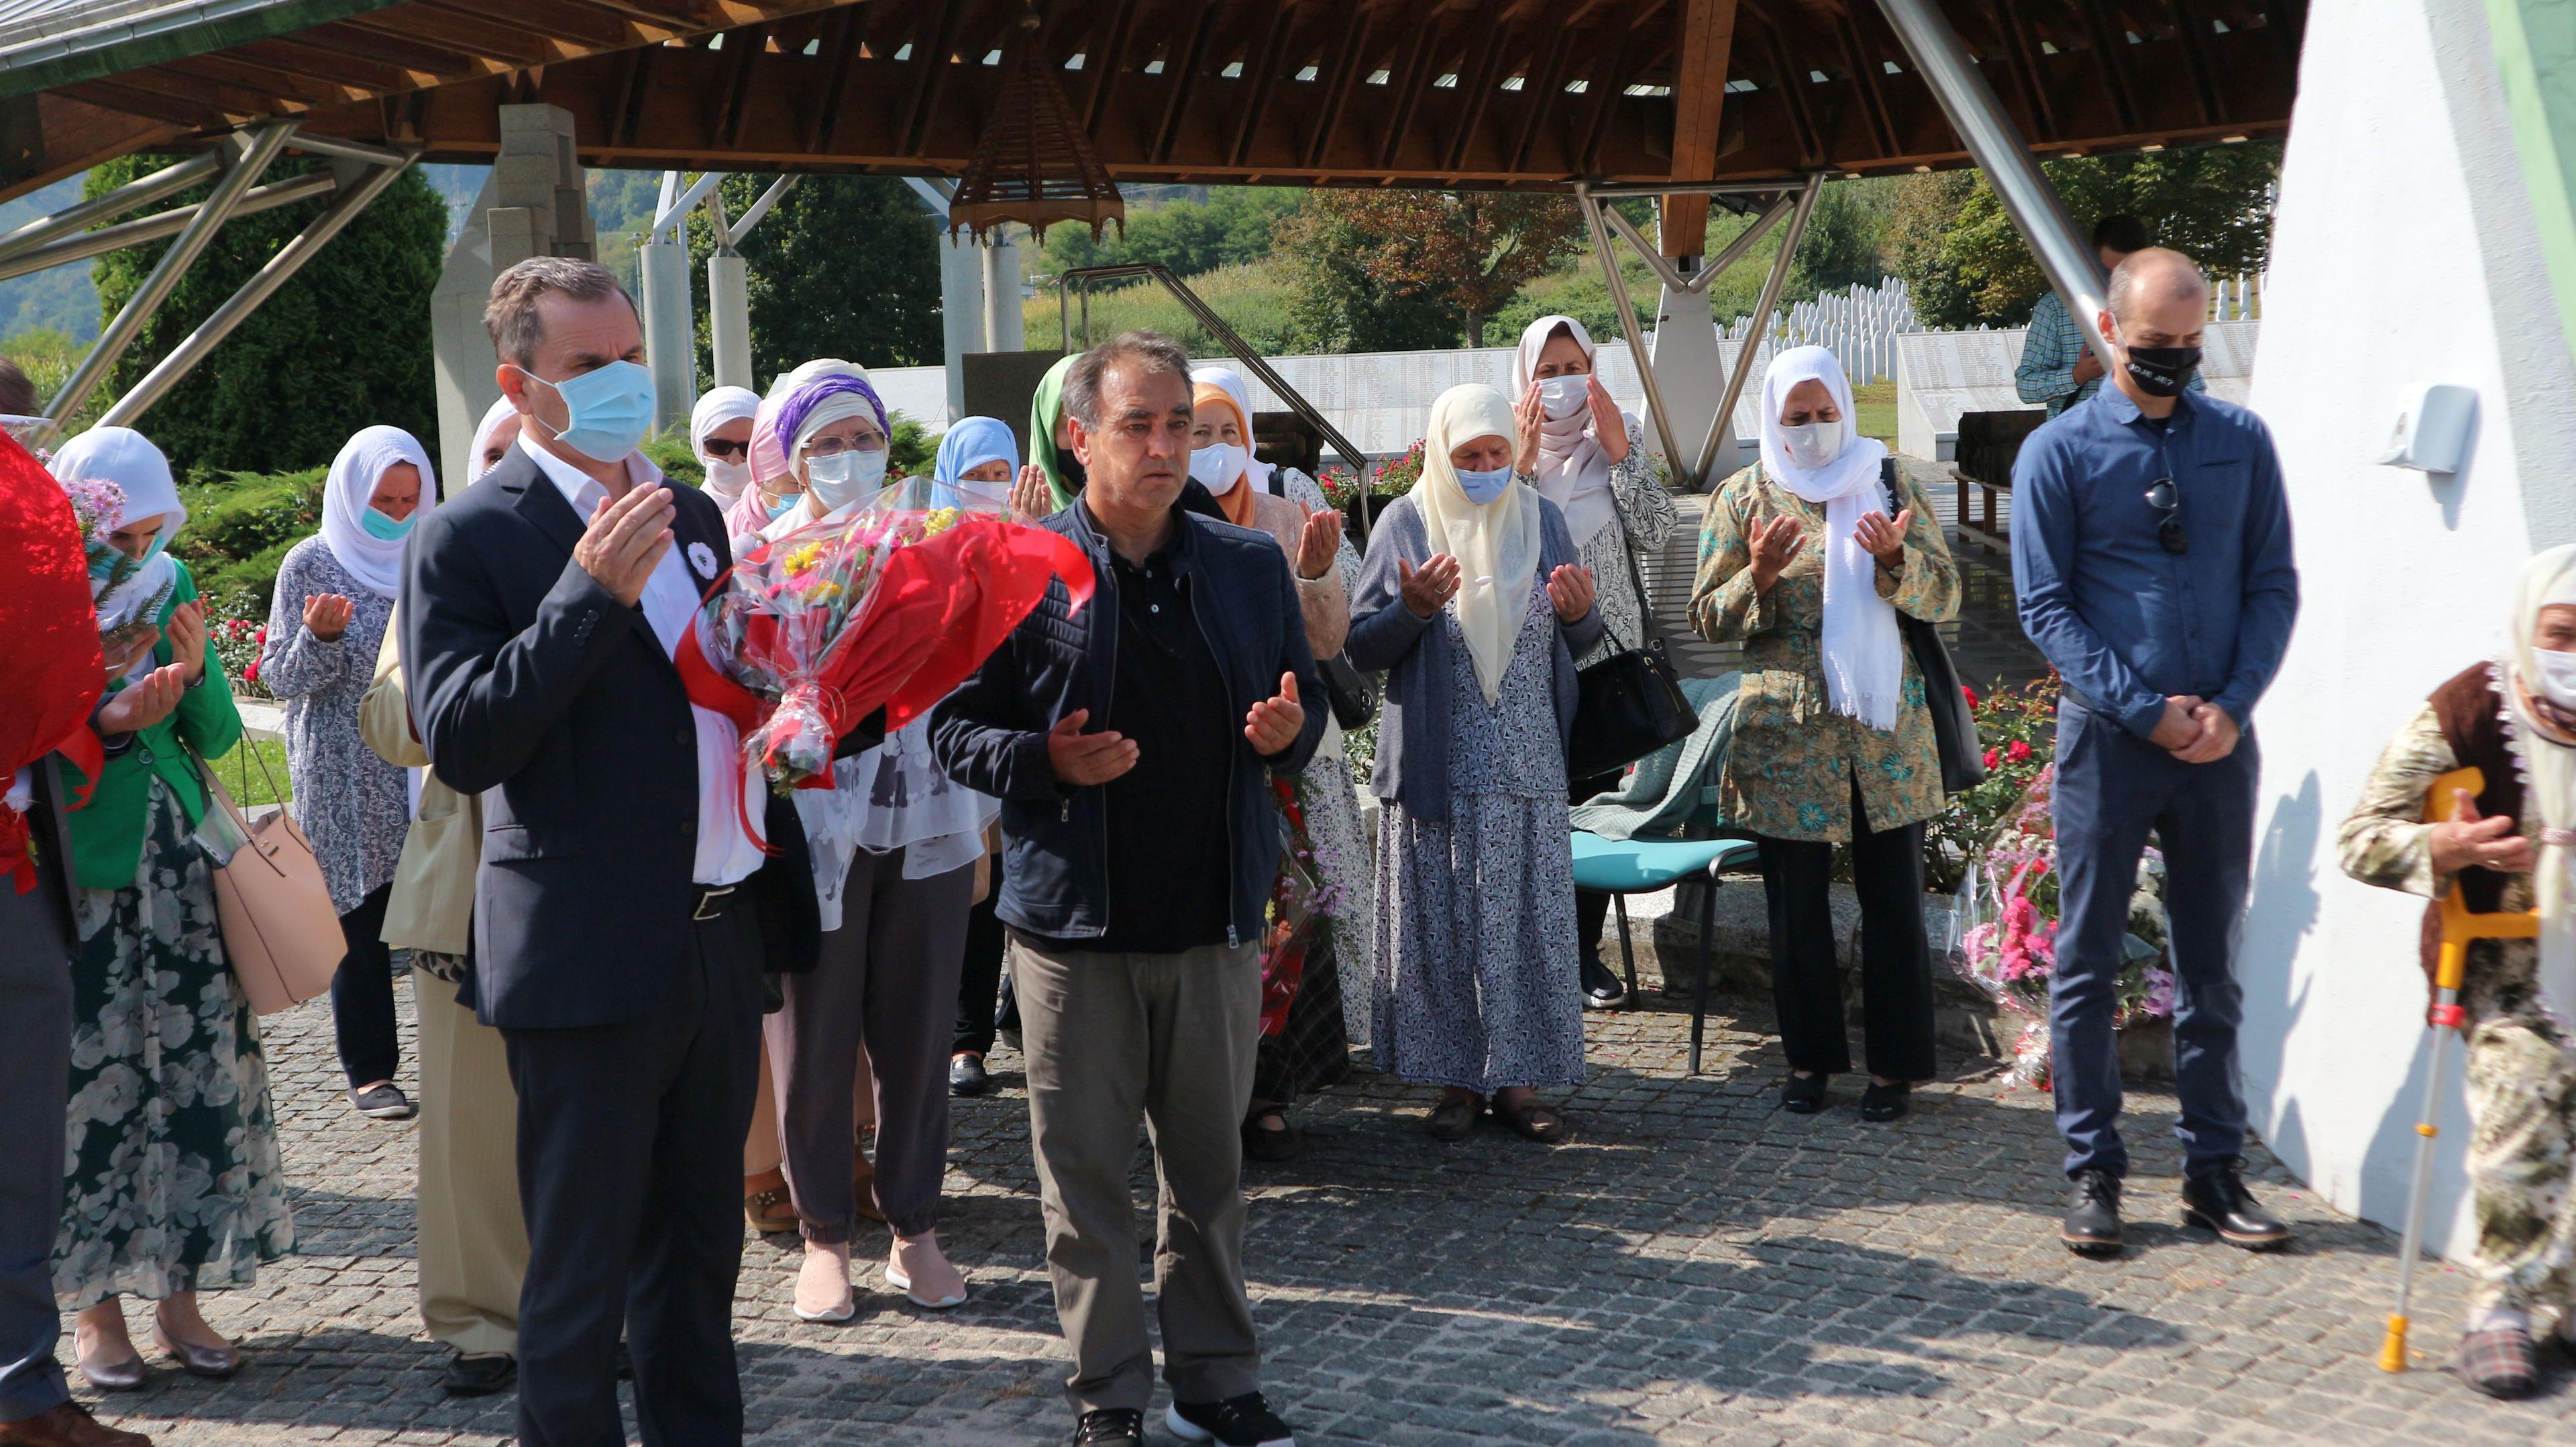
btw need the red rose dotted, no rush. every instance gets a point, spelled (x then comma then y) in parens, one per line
(1970, 693)
(2019, 752)
(251, 673)
(1990, 758)
(262, 635)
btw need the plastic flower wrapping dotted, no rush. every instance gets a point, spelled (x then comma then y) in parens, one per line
(2005, 914)
(1294, 922)
(51, 673)
(889, 606)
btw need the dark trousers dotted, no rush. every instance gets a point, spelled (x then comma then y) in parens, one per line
(1591, 906)
(886, 976)
(1895, 961)
(35, 1070)
(362, 994)
(630, 1166)
(2112, 788)
(980, 982)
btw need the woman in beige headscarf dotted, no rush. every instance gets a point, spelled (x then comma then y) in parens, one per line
(1312, 1048)
(2507, 848)
(1473, 602)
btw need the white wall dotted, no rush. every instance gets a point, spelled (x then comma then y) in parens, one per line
(2404, 253)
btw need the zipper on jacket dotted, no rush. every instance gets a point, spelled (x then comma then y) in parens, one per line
(1189, 585)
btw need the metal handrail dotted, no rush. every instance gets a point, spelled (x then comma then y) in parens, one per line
(1082, 278)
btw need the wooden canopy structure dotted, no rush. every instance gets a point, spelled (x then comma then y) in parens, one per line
(1479, 94)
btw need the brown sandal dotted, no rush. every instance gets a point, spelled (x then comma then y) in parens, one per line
(1452, 1119)
(765, 1203)
(1532, 1122)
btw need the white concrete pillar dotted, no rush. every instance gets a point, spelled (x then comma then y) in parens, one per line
(961, 312)
(531, 205)
(670, 329)
(1692, 377)
(1004, 325)
(729, 319)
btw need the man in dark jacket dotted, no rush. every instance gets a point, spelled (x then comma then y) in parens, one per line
(1131, 744)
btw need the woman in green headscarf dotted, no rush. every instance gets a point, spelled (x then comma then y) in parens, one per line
(1050, 443)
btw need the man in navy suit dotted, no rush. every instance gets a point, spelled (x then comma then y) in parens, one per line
(616, 948)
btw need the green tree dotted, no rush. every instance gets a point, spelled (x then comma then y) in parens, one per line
(1230, 228)
(1364, 254)
(843, 266)
(342, 345)
(1846, 240)
(2212, 203)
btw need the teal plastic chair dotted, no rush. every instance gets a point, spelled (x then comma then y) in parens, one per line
(1622, 867)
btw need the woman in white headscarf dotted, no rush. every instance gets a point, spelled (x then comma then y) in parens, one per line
(335, 596)
(720, 435)
(1472, 601)
(1807, 560)
(173, 1183)
(493, 437)
(1589, 458)
(2507, 848)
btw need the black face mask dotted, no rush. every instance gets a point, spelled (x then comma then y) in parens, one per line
(1069, 468)
(2163, 371)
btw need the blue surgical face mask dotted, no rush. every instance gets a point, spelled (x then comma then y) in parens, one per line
(845, 477)
(1483, 487)
(386, 528)
(607, 411)
(778, 506)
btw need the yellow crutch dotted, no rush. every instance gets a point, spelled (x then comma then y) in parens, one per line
(2459, 927)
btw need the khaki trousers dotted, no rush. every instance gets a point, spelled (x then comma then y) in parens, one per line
(473, 1240)
(1170, 1039)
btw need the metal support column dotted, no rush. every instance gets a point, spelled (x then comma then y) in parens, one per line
(2004, 156)
(1720, 425)
(257, 151)
(361, 184)
(1628, 326)
(961, 292)
(133, 195)
(85, 244)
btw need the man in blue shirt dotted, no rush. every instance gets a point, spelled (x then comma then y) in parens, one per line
(2151, 553)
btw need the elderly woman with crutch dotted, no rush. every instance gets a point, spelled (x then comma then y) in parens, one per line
(2504, 846)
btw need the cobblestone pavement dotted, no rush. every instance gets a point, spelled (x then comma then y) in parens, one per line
(1696, 1268)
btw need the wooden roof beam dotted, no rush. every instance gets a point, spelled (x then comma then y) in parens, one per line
(1260, 74)
(1183, 80)
(1699, 100)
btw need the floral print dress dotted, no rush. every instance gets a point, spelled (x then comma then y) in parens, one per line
(355, 807)
(1646, 517)
(1789, 774)
(2521, 1060)
(1475, 918)
(171, 1174)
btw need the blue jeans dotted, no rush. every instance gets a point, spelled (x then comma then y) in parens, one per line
(2112, 788)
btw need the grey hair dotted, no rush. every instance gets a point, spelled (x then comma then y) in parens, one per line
(1151, 352)
(2143, 270)
(511, 315)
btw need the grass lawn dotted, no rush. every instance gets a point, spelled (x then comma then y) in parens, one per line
(1876, 404)
(243, 779)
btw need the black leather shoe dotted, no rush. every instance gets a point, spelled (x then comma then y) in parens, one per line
(2092, 1225)
(1262, 1143)
(1602, 990)
(1110, 1427)
(1803, 1094)
(482, 1374)
(966, 1076)
(1244, 1421)
(1884, 1102)
(2218, 1201)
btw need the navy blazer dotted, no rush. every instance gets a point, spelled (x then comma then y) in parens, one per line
(533, 686)
(990, 735)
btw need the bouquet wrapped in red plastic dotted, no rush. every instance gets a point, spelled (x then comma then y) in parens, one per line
(892, 606)
(51, 673)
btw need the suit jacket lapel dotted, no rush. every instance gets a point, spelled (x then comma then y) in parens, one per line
(540, 501)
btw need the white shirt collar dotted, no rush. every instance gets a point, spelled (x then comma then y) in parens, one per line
(576, 485)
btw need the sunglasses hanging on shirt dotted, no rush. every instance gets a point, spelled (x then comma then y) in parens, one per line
(2166, 499)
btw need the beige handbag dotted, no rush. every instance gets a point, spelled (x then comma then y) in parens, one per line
(280, 932)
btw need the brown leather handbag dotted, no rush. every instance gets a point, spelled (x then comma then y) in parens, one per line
(281, 934)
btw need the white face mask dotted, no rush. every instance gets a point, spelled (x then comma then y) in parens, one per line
(844, 478)
(2557, 681)
(1219, 466)
(1562, 397)
(1814, 444)
(728, 479)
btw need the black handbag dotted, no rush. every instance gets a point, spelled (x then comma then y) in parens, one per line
(1628, 703)
(1352, 694)
(1954, 724)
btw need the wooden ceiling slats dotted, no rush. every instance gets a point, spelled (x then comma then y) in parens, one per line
(2066, 69)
